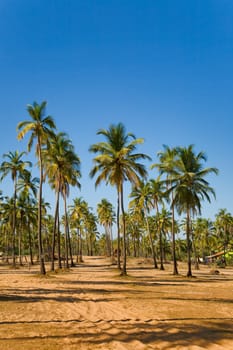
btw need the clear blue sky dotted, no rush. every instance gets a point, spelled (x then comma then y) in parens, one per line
(162, 67)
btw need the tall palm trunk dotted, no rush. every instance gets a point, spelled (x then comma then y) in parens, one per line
(14, 225)
(124, 272)
(161, 249)
(77, 246)
(151, 240)
(189, 243)
(175, 268)
(67, 230)
(30, 242)
(80, 246)
(58, 242)
(40, 247)
(54, 231)
(111, 239)
(118, 233)
(20, 240)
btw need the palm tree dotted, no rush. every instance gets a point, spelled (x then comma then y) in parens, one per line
(190, 188)
(135, 228)
(106, 218)
(14, 166)
(41, 128)
(223, 224)
(163, 221)
(78, 213)
(62, 166)
(116, 162)
(141, 195)
(90, 223)
(166, 165)
(204, 237)
(28, 186)
(7, 213)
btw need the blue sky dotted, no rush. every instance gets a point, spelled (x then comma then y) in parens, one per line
(164, 68)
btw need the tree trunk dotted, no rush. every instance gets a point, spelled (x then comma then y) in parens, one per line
(54, 231)
(14, 227)
(124, 272)
(189, 273)
(161, 250)
(151, 241)
(58, 242)
(30, 243)
(175, 268)
(40, 247)
(118, 233)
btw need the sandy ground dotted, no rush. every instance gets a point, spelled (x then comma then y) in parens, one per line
(92, 307)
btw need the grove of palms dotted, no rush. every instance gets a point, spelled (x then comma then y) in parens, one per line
(159, 218)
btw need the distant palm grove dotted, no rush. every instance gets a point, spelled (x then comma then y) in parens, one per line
(162, 221)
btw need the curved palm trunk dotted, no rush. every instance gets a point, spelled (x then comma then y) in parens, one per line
(124, 272)
(189, 273)
(118, 233)
(40, 247)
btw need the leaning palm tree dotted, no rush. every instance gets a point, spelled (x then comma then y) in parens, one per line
(41, 128)
(116, 162)
(190, 188)
(14, 166)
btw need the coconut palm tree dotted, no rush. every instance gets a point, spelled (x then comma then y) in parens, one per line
(78, 213)
(28, 186)
(90, 223)
(41, 128)
(141, 195)
(164, 223)
(62, 166)
(166, 165)
(190, 188)
(204, 237)
(116, 162)
(135, 228)
(13, 166)
(223, 224)
(106, 218)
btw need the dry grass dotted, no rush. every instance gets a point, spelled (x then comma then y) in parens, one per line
(92, 307)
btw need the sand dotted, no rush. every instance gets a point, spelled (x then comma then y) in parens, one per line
(92, 307)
